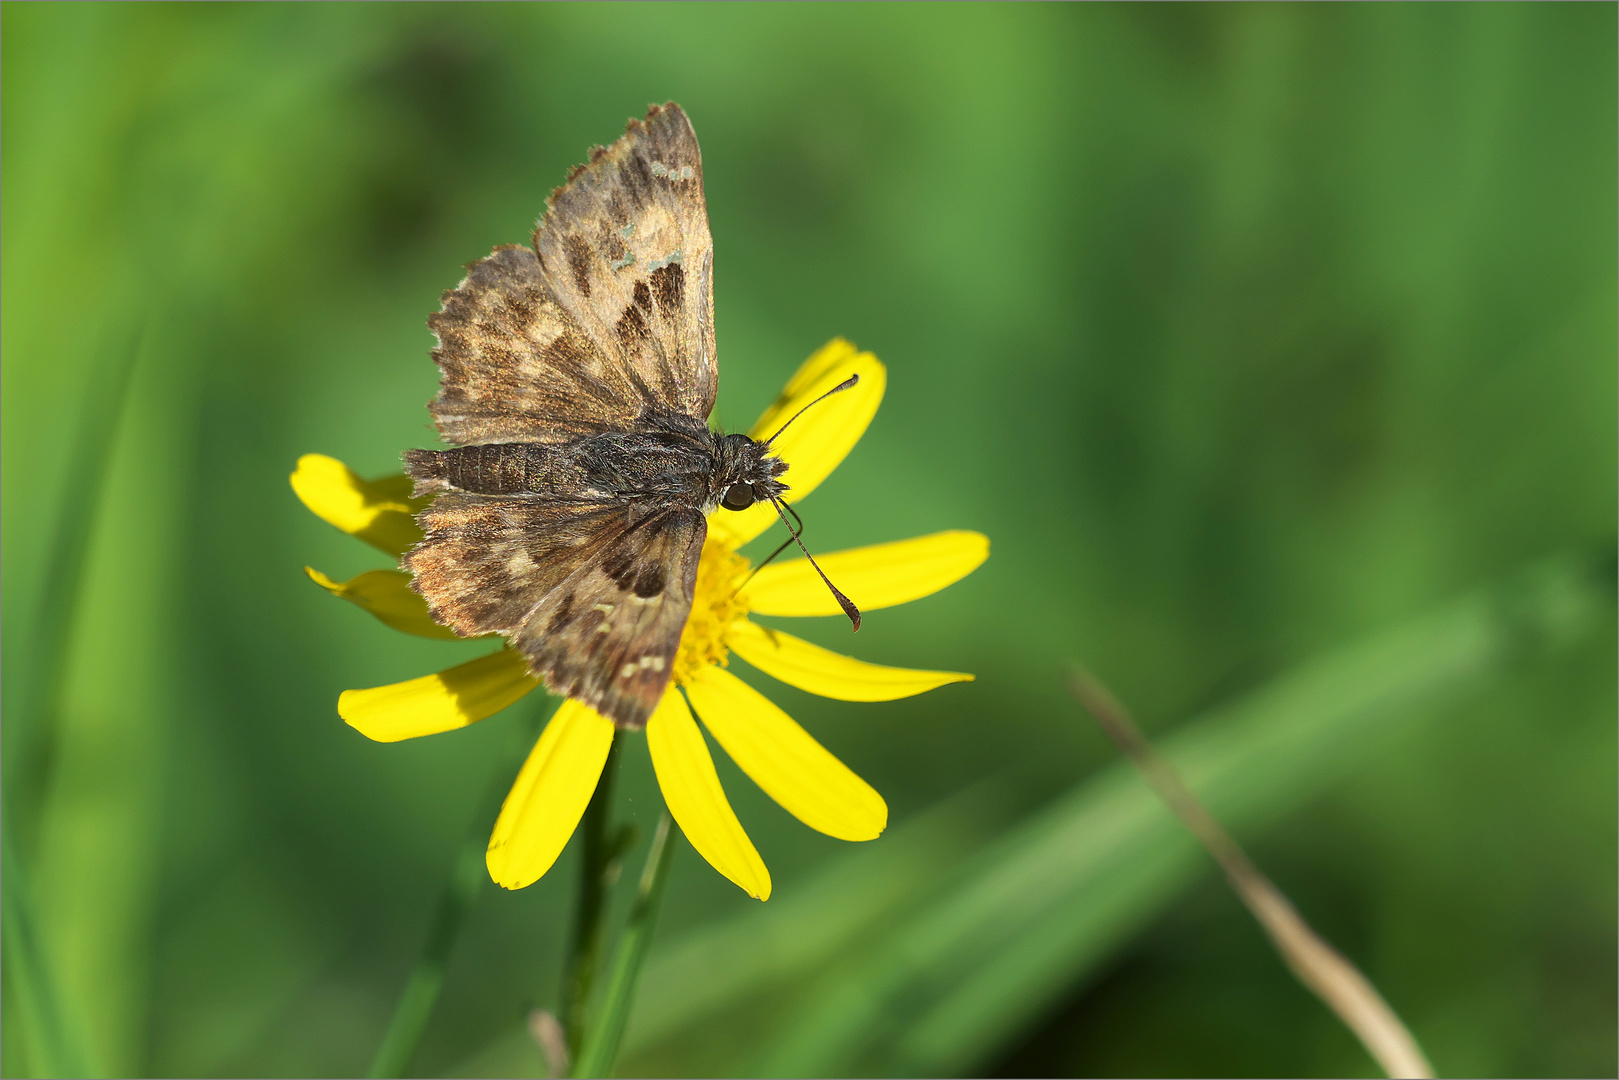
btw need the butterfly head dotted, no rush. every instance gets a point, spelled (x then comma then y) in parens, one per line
(746, 473)
(753, 476)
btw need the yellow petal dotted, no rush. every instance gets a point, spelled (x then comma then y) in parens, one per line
(821, 361)
(550, 795)
(814, 445)
(873, 577)
(784, 760)
(820, 671)
(377, 511)
(387, 595)
(691, 789)
(451, 699)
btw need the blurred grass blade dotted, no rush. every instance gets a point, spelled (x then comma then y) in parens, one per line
(606, 1029)
(52, 1048)
(721, 966)
(1041, 907)
(785, 942)
(421, 991)
(56, 1051)
(64, 573)
(461, 891)
(1336, 981)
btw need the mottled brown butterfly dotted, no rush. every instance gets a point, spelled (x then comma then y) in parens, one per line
(577, 379)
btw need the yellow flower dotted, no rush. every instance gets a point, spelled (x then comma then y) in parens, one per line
(555, 784)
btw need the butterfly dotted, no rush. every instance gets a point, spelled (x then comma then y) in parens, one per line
(577, 377)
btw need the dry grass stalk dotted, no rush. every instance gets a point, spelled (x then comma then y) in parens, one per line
(1317, 964)
(546, 1030)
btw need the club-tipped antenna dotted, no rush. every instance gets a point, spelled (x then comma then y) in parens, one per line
(843, 601)
(844, 385)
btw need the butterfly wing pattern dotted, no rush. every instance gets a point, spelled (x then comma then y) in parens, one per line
(605, 322)
(627, 251)
(607, 634)
(516, 366)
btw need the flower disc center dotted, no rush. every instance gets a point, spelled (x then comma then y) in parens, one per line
(715, 607)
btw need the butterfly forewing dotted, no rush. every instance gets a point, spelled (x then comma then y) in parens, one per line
(626, 250)
(517, 367)
(605, 326)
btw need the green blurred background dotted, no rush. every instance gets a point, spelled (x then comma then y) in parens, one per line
(1273, 347)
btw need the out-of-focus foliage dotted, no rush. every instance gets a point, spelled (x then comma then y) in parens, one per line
(1258, 338)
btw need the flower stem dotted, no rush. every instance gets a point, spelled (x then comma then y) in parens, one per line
(601, 1042)
(461, 892)
(590, 916)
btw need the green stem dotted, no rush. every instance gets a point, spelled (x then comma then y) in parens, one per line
(460, 894)
(590, 916)
(602, 1041)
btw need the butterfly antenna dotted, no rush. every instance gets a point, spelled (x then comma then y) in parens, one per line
(844, 385)
(783, 546)
(843, 601)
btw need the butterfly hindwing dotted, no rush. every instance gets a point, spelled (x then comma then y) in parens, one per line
(486, 560)
(626, 250)
(594, 595)
(607, 635)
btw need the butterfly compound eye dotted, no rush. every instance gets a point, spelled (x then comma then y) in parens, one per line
(738, 497)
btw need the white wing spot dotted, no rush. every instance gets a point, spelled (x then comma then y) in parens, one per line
(654, 663)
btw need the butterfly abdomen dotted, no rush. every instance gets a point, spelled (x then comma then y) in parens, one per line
(495, 469)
